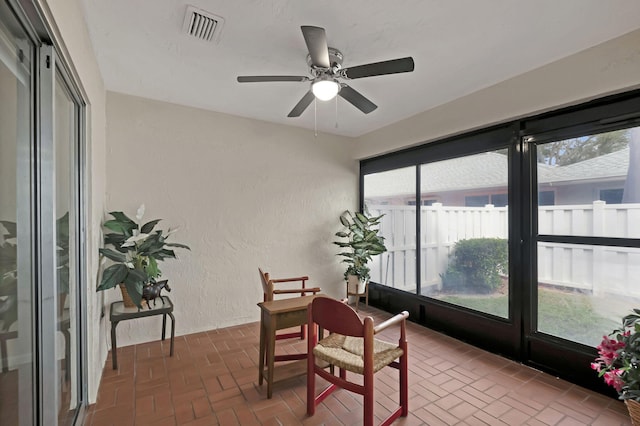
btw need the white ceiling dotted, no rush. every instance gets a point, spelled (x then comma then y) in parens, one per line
(459, 47)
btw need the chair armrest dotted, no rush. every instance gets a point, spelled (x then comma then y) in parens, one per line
(399, 318)
(288, 280)
(313, 290)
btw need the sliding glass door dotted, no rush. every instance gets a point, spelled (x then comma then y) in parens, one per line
(585, 240)
(17, 351)
(66, 147)
(42, 259)
(586, 277)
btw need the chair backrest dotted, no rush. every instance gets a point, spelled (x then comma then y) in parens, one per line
(267, 286)
(336, 317)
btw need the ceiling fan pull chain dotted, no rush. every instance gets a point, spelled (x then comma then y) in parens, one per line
(315, 117)
(336, 112)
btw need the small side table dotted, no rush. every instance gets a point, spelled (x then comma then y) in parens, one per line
(118, 313)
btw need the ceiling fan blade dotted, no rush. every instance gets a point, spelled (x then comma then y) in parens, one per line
(356, 99)
(262, 78)
(302, 105)
(316, 40)
(393, 66)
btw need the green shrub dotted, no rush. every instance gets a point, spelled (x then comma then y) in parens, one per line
(476, 265)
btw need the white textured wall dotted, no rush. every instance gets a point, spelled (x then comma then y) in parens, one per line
(245, 194)
(66, 19)
(608, 68)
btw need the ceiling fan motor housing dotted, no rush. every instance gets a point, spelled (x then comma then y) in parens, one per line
(335, 59)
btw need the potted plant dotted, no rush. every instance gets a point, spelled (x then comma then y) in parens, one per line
(618, 362)
(137, 249)
(362, 242)
(8, 275)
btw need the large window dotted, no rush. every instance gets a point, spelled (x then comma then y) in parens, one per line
(464, 244)
(585, 286)
(526, 237)
(393, 194)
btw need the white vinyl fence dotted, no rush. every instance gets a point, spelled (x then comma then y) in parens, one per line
(599, 270)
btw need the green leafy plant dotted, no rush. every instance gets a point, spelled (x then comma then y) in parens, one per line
(137, 249)
(618, 361)
(8, 275)
(9, 267)
(362, 243)
(476, 265)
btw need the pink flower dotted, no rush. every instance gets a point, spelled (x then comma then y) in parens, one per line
(612, 378)
(609, 350)
(596, 366)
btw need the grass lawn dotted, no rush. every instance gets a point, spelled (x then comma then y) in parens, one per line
(567, 315)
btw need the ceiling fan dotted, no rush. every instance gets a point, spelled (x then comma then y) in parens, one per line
(325, 67)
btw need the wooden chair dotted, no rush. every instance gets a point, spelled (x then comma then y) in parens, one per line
(351, 346)
(269, 290)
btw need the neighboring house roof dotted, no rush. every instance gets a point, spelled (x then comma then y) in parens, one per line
(613, 165)
(488, 170)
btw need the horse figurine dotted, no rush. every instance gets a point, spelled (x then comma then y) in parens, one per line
(152, 291)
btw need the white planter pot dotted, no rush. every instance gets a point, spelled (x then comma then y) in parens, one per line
(355, 285)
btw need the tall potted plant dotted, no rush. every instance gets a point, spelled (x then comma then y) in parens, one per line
(136, 251)
(362, 243)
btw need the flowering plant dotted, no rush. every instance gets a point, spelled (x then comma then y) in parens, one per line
(619, 358)
(137, 249)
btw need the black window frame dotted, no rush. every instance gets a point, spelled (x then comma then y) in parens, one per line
(569, 360)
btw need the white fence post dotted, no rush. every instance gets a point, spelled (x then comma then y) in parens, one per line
(441, 225)
(598, 285)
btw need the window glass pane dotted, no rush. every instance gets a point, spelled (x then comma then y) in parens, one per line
(393, 193)
(499, 200)
(65, 141)
(464, 238)
(596, 185)
(476, 200)
(16, 282)
(583, 291)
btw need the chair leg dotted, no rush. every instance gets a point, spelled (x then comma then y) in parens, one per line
(368, 400)
(404, 384)
(303, 332)
(311, 378)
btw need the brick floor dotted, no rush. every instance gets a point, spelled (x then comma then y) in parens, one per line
(212, 379)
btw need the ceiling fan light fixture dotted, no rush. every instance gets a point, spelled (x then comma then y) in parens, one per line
(325, 89)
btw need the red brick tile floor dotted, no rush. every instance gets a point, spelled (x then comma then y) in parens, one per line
(212, 379)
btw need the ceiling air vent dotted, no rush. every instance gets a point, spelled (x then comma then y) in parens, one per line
(202, 24)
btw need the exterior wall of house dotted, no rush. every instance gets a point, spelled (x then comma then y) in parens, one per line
(67, 21)
(245, 194)
(611, 67)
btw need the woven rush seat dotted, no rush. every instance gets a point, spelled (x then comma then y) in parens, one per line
(347, 352)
